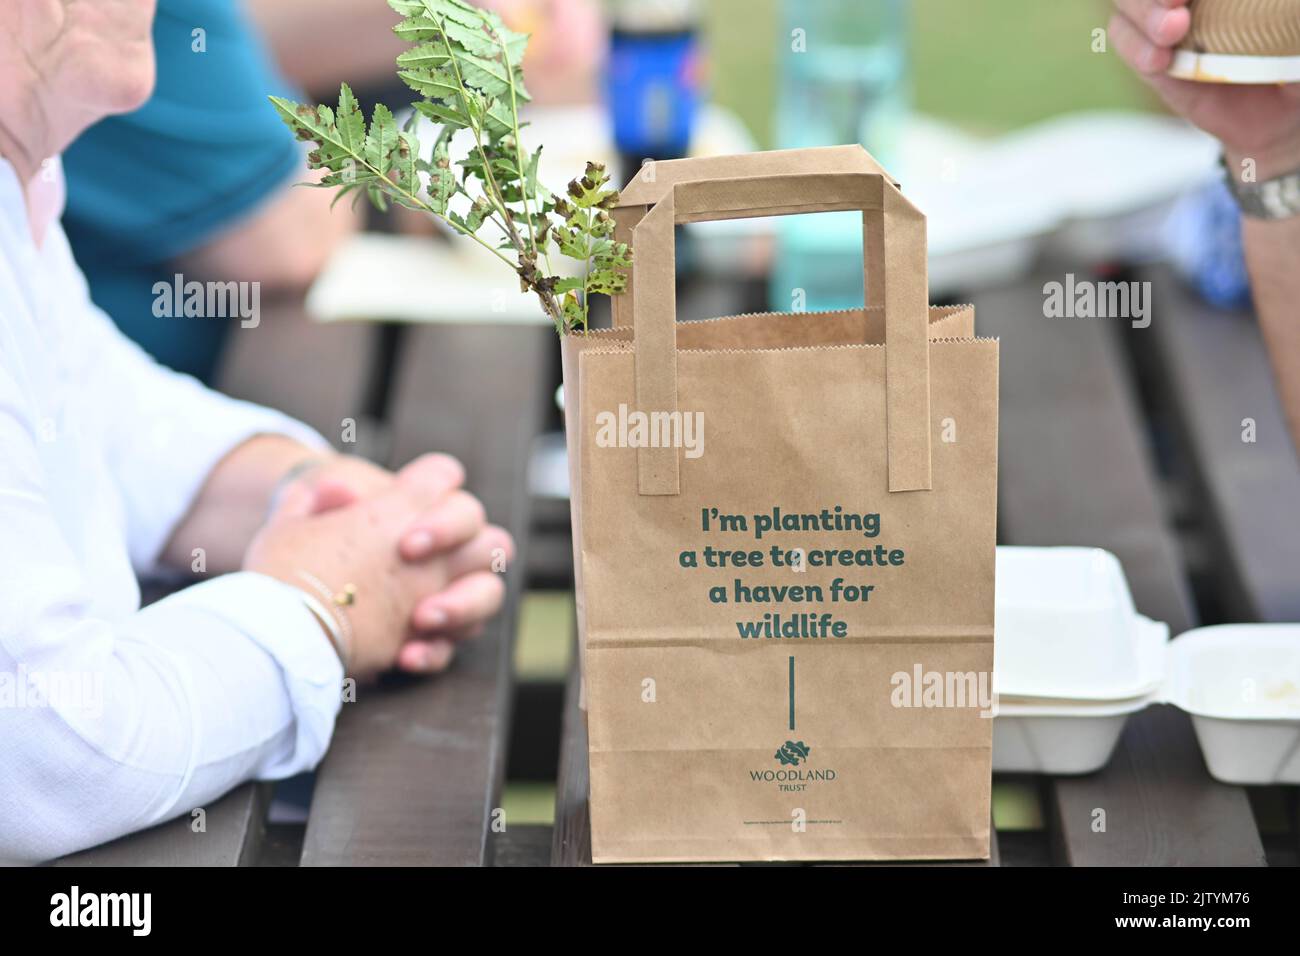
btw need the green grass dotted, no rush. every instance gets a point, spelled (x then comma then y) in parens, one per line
(544, 640)
(528, 803)
(1016, 805)
(989, 67)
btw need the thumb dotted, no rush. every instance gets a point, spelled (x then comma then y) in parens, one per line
(331, 493)
(302, 499)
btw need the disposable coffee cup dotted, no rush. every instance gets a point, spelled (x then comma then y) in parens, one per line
(1241, 41)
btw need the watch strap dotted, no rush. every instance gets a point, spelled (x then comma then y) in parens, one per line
(1276, 198)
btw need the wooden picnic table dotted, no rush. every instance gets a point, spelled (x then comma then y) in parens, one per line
(1120, 438)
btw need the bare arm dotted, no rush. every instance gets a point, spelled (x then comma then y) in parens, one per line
(1259, 123)
(232, 505)
(1273, 258)
(283, 243)
(317, 43)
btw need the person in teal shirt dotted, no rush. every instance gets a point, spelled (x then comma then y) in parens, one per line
(195, 182)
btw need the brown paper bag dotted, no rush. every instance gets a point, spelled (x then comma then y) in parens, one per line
(784, 537)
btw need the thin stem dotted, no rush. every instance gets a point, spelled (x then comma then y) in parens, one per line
(586, 273)
(519, 154)
(494, 192)
(421, 204)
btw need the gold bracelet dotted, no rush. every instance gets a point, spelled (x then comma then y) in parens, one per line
(333, 615)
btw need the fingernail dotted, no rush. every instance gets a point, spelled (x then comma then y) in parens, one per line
(419, 541)
(434, 617)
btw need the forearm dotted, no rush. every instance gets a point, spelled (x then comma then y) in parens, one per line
(233, 502)
(1273, 259)
(1272, 250)
(317, 59)
(283, 244)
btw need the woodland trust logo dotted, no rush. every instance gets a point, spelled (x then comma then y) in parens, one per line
(788, 776)
(791, 752)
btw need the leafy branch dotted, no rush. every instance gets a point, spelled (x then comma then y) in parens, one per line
(466, 64)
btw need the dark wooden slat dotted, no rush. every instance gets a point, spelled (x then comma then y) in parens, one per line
(318, 373)
(415, 771)
(1216, 368)
(233, 833)
(1073, 469)
(1072, 464)
(528, 845)
(571, 839)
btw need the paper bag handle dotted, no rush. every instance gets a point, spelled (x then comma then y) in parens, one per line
(903, 289)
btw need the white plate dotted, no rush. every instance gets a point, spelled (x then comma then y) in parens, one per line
(1224, 68)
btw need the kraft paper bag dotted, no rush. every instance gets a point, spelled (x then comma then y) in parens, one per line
(784, 536)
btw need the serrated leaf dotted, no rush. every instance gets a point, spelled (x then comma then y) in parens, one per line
(442, 114)
(440, 84)
(318, 123)
(343, 191)
(442, 179)
(417, 29)
(426, 56)
(381, 140)
(351, 122)
(530, 173)
(458, 11)
(477, 214)
(404, 154)
(487, 74)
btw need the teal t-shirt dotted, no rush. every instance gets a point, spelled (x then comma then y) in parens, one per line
(202, 153)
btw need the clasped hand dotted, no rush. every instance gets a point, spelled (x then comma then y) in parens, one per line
(417, 549)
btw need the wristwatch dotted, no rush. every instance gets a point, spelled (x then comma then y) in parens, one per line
(1276, 198)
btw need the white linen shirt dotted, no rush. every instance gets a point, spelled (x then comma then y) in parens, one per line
(113, 718)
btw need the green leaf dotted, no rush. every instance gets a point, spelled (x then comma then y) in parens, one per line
(442, 180)
(382, 138)
(489, 75)
(530, 174)
(351, 122)
(477, 214)
(458, 11)
(442, 114)
(590, 190)
(426, 56)
(417, 29)
(404, 154)
(439, 84)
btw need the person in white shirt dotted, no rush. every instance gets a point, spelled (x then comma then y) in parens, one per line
(114, 718)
